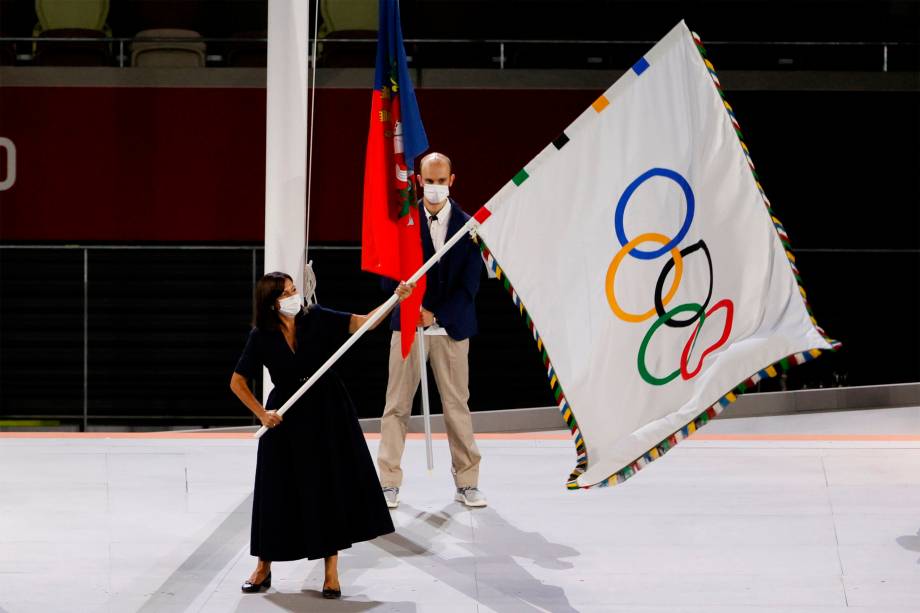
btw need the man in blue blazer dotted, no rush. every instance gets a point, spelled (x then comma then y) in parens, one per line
(449, 318)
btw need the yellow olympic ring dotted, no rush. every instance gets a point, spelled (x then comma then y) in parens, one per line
(612, 271)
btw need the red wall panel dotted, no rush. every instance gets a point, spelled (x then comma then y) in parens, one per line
(188, 165)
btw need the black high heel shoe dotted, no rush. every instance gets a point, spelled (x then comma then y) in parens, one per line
(253, 588)
(331, 594)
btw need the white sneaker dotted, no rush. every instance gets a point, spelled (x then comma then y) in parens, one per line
(471, 497)
(391, 494)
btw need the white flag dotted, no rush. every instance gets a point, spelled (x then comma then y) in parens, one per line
(644, 256)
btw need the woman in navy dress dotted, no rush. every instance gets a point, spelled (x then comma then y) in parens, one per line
(316, 490)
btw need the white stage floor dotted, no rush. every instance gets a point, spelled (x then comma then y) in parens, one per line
(801, 513)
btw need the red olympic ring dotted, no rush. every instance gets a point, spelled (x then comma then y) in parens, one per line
(729, 307)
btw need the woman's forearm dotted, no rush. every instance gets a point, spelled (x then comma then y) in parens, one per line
(240, 386)
(356, 321)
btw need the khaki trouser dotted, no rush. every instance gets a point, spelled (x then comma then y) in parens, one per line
(450, 363)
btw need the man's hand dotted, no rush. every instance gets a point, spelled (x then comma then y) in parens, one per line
(426, 318)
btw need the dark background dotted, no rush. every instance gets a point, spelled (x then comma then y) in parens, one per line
(739, 20)
(166, 323)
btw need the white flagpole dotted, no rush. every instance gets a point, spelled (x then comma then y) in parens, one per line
(378, 314)
(286, 142)
(426, 409)
(311, 131)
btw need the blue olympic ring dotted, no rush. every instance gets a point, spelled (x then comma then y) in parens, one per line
(624, 199)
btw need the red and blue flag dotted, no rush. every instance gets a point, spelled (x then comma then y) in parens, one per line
(390, 241)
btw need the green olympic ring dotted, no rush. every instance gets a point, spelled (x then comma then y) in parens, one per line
(643, 371)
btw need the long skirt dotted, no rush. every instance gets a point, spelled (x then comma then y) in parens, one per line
(316, 490)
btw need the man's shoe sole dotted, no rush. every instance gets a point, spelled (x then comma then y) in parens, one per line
(460, 498)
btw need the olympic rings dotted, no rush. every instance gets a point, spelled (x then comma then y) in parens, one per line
(729, 307)
(660, 302)
(624, 199)
(677, 262)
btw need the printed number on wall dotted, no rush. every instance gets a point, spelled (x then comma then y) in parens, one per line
(7, 170)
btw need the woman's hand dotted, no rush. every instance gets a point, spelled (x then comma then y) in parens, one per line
(270, 419)
(404, 290)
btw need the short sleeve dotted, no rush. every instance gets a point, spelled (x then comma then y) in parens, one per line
(332, 326)
(251, 359)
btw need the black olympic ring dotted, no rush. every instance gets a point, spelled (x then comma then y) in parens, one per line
(659, 286)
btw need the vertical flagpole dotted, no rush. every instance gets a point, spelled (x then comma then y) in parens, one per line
(311, 68)
(426, 408)
(286, 141)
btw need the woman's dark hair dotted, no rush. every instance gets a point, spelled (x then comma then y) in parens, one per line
(268, 289)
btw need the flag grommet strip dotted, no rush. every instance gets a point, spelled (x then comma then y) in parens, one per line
(640, 66)
(780, 230)
(482, 214)
(600, 104)
(520, 177)
(702, 419)
(560, 141)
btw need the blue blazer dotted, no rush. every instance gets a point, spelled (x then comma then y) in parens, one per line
(452, 283)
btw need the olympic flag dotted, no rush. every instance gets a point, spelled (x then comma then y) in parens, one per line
(646, 259)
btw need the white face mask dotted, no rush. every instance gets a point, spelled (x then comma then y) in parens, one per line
(291, 305)
(436, 194)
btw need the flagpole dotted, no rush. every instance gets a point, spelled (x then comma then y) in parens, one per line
(311, 129)
(371, 321)
(286, 118)
(426, 409)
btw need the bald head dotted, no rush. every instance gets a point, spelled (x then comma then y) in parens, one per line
(435, 158)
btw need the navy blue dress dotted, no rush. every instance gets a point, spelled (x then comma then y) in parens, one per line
(316, 490)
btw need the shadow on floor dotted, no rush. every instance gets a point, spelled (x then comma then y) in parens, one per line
(187, 582)
(313, 601)
(490, 575)
(910, 543)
